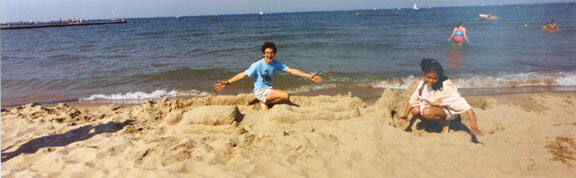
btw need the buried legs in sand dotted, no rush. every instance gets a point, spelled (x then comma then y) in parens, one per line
(276, 96)
(434, 114)
(437, 114)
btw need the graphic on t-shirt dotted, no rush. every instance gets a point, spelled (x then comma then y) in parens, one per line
(266, 76)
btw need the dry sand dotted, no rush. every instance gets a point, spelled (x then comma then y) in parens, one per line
(327, 136)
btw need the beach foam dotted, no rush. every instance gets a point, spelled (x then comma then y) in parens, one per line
(139, 96)
(501, 80)
(562, 81)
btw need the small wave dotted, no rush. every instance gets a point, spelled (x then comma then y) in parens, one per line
(228, 50)
(530, 79)
(153, 33)
(64, 57)
(402, 83)
(139, 96)
(309, 88)
(563, 81)
(184, 74)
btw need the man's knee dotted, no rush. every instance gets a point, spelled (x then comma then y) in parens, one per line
(279, 96)
(283, 96)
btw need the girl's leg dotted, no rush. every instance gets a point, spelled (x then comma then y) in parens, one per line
(436, 114)
(424, 123)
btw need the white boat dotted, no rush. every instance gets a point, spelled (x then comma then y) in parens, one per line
(415, 7)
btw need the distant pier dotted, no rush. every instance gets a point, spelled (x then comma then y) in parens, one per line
(27, 26)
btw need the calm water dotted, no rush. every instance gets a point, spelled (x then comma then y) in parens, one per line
(154, 57)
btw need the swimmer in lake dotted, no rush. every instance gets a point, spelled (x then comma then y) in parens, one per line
(459, 35)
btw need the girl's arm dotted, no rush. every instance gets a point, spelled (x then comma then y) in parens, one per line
(473, 126)
(413, 101)
(465, 36)
(408, 108)
(453, 32)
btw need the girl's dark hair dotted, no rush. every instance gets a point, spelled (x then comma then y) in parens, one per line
(269, 45)
(459, 24)
(429, 64)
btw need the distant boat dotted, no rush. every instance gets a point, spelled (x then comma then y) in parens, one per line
(113, 15)
(415, 7)
(261, 13)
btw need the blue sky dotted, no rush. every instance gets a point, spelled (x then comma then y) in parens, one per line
(42, 10)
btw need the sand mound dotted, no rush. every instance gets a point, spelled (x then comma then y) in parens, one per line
(212, 115)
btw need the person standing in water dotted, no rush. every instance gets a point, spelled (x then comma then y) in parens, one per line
(459, 35)
(553, 27)
(436, 99)
(546, 27)
(263, 72)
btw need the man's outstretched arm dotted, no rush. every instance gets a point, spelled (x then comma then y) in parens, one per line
(312, 77)
(223, 84)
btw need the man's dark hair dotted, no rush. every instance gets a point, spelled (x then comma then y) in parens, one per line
(428, 65)
(269, 45)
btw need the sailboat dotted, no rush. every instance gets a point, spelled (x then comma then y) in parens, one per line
(113, 15)
(415, 7)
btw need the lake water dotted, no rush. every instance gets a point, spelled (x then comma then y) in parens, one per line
(155, 57)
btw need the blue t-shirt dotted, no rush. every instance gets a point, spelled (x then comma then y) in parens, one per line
(263, 72)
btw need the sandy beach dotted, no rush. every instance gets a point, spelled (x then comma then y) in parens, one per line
(325, 136)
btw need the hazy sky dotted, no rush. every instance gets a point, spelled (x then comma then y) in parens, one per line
(42, 10)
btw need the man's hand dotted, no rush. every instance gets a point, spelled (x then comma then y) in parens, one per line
(315, 78)
(221, 85)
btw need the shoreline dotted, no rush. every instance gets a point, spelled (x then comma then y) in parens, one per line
(368, 94)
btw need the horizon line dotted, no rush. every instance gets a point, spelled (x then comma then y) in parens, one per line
(288, 12)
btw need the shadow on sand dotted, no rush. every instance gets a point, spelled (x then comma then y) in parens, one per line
(455, 124)
(255, 101)
(64, 139)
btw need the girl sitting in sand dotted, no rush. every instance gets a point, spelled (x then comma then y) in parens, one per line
(436, 99)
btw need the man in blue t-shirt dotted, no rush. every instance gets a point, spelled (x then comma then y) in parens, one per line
(263, 72)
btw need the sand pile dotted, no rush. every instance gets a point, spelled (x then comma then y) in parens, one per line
(325, 136)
